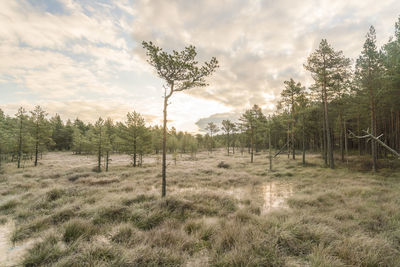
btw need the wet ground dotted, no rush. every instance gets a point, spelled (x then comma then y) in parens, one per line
(10, 254)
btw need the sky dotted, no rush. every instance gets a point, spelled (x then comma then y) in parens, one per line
(84, 58)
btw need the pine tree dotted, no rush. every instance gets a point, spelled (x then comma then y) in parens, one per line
(289, 95)
(40, 131)
(325, 64)
(228, 127)
(98, 142)
(133, 134)
(109, 139)
(250, 123)
(180, 72)
(21, 133)
(368, 74)
(212, 128)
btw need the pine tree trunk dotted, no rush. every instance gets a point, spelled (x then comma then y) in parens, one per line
(324, 147)
(107, 158)
(20, 145)
(398, 131)
(36, 152)
(134, 151)
(373, 146)
(251, 148)
(164, 151)
(212, 143)
(328, 132)
(321, 142)
(293, 149)
(345, 142)
(304, 143)
(228, 143)
(270, 149)
(288, 141)
(37, 143)
(341, 136)
(99, 155)
(358, 133)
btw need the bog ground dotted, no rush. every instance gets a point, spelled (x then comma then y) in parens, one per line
(61, 213)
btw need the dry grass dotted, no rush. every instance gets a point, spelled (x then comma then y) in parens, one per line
(213, 215)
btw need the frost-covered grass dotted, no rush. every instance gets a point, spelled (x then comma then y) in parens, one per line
(211, 216)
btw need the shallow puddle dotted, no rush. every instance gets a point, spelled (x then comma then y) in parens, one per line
(275, 195)
(10, 254)
(269, 196)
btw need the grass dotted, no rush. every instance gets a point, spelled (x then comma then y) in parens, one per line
(213, 215)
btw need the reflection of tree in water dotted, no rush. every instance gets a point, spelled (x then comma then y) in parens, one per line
(10, 254)
(275, 194)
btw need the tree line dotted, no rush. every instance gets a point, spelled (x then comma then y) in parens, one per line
(27, 135)
(348, 99)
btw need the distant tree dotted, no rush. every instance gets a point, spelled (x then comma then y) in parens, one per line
(40, 132)
(180, 72)
(289, 95)
(21, 128)
(193, 146)
(133, 133)
(3, 136)
(200, 141)
(249, 125)
(234, 131)
(99, 138)
(78, 141)
(58, 132)
(172, 143)
(83, 128)
(156, 138)
(303, 105)
(109, 138)
(212, 128)
(227, 127)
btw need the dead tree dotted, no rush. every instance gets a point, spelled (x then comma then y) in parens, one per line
(370, 136)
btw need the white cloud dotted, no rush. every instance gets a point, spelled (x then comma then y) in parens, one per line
(259, 43)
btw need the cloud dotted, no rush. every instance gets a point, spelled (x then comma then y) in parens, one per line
(217, 119)
(88, 111)
(259, 44)
(26, 24)
(73, 54)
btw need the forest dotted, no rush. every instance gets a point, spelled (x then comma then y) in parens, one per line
(88, 194)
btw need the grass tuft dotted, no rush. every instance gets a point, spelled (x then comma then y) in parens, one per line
(78, 229)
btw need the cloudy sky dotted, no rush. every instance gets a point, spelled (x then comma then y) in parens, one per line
(84, 58)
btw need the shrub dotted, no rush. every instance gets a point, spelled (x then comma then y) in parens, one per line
(54, 194)
(223, 165)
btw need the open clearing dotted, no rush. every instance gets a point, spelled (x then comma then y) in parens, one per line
(64, 214)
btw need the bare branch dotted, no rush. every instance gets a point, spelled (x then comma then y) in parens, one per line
(376, 139)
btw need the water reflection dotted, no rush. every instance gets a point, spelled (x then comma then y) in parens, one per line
(10, 254)
(274, 195)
